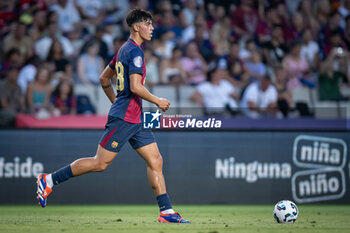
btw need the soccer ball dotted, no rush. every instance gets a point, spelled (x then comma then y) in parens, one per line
(285, 212)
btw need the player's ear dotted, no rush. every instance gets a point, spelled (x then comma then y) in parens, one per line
(135, 27)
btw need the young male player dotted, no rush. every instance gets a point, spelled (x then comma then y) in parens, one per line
(124, 120)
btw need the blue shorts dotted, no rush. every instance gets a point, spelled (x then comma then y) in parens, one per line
(118, 132)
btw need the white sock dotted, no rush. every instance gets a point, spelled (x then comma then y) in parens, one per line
(168, 211)
(49, 181)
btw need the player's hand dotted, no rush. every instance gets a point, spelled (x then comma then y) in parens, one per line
(163, 104)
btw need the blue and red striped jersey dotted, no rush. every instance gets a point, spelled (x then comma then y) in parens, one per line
(129, 60)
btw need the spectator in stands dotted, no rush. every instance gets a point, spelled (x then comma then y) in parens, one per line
(255, 67)
(63, 98)
(298, 70)
(27, 73)
(188, 13)
(90, 11)
(102, 45)
(39, 20)
(245, 19)
(151, 67)
(172, 70)
(164, 44)
(260, 99)
(90, 65)
(11, 98)
(142, 4)
(12, 58)
(331, 34)
(285, 17)
(344, 10)
(306, 10)
(68, 15)
(39, 91)
(335, 41)
(347, 32)
(51, 17)
(334, 70)
(109, 37)
(309, 49)
(239, 76)
(61, 64)
(8, 14)
(334, 22)
(292, 5)
(189, 32)
(42, 46)
(285, 101)
(115, 10)
(246, 52)
(263, 30)
(205, 46)
(216, 95)
(296, 30)
(323, 10)
(38, 26)
(117, 43)
(275, 50)
(232, 57)
(29, 6)
(167, 21)
(220, 32)
(18, 39)
(194, 65)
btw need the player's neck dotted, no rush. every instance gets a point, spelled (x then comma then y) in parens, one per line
(138, 39)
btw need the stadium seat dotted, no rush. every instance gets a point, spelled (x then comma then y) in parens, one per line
(329, 110)
(185, 104)
(85, 90)
(345, 109)
(103, 103)
(345, 91)
(146, 104)
(303, 94)
(168, 92)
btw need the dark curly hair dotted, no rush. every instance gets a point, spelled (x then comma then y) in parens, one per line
(138, 15)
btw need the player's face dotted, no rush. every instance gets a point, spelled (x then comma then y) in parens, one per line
(146, 29)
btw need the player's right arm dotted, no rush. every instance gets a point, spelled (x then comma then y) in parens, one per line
(138, 89)
(105, 80)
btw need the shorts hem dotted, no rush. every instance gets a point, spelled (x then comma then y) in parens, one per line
(144, 144)
(110, 150)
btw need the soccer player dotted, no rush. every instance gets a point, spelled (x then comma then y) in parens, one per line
(124, 120)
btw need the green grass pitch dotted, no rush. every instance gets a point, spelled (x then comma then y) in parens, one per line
(142, 219)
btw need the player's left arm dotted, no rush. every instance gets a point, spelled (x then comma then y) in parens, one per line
(105, 80)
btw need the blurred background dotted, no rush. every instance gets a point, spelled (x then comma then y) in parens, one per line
(277, 70)
(53, 51)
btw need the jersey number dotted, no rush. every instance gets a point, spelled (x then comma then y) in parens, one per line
(120, 76)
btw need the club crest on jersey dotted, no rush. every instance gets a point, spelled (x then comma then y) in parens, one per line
(151, 120)
(114, 144)
(138, 61)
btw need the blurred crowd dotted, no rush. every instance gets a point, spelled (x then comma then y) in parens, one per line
(245, 56)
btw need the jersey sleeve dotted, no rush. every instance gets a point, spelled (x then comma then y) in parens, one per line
(112, 63)
(136, 62)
